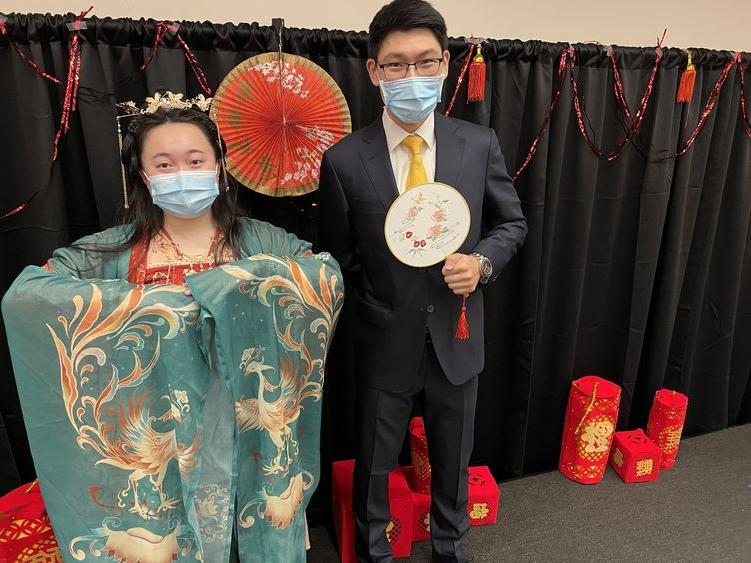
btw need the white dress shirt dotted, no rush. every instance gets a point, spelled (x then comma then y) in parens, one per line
(401, 156)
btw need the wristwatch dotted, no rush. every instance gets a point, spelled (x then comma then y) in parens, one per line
(486, 267)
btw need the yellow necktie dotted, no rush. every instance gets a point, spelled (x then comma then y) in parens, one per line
(416, 174)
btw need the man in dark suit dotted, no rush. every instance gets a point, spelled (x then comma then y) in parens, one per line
(406, 348)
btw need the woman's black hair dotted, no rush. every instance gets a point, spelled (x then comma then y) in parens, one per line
(146, 218)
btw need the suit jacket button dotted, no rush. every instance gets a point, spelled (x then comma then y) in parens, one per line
(431, 308)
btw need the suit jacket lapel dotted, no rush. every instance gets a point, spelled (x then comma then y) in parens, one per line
(450, 151)
(377, 163)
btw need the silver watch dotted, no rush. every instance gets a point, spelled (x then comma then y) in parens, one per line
(486, 267)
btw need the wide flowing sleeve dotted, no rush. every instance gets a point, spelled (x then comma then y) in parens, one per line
(91, 257)
(111, 380)
(274, 317)
(262, 237)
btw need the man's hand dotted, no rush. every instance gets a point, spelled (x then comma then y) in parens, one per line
(461, 273)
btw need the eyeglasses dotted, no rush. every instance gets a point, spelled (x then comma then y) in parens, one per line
(425, 67)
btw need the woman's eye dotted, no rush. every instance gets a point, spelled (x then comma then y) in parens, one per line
(163, 165)
(196, 162)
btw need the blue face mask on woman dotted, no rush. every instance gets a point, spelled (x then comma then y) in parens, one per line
(186, 193)
(412, 99)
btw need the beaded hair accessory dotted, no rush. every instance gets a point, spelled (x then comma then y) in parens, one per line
(166, 100)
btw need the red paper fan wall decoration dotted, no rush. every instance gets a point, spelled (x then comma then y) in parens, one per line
(278, 116)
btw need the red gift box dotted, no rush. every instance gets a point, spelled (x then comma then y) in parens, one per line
(635, 458)
(418, 445)
(484, 497)
(665, 424)
(399, 529)
(591, 416)
(25, 530)
(482, 508)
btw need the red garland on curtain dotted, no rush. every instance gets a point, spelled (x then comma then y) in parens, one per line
(634, 123)
(636, 120)
(459, 80)
(71, 85)
(4, 32)
(161, 30)
(74, 74)
(69, 102)
(562, 69)
(620, 95)
(743, 103)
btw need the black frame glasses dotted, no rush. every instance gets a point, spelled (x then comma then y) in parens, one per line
(402, 69)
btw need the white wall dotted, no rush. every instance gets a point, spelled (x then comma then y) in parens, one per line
(722, 24)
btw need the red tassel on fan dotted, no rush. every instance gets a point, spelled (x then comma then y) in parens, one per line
(462, 328)
(686, 87)
(476, 85)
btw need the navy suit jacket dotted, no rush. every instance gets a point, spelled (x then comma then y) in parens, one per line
(396, 303)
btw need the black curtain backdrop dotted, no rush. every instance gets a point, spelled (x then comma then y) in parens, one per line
(634, 270)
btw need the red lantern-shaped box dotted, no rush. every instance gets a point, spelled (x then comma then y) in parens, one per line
(591, 417)
(635, 458)
(25, 530)
(399, 529)
(665, 424)
(418, 445)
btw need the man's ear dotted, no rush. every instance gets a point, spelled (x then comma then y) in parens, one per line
(373, 72)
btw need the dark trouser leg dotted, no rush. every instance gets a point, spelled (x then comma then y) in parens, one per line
(383, 419)
(449, 414)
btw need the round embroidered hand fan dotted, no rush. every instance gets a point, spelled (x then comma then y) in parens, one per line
(426, 224)
(277, 118)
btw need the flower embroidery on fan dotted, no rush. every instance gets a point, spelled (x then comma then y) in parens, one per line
(413, 212)
(437, 229)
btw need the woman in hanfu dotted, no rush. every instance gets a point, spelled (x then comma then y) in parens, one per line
(171, 369)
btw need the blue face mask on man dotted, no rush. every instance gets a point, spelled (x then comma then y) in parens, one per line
(186, 193)
(412, 99)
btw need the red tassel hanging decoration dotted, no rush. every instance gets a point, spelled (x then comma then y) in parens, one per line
(476, 85)
(706, 112)
(462, 328)
(686, 86)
